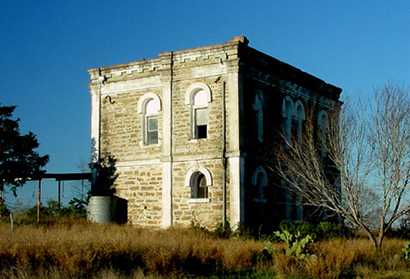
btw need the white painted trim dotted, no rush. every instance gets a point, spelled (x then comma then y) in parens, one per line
(208, 70)
(200, 200)
(125, 86)
(195, 87)
(236, 195)
(144, 99)
(121, 164)
(234, 91)
(166, 219)
(204, 171)
(95, 122)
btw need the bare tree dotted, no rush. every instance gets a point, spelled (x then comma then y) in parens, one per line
(358, 168)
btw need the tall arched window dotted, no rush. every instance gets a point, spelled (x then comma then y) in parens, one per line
(200, 115)
(258, 108)
(287, 115)
(299, 118)
(198, 96)
(149, 106)
(151, 122)
(323, 128)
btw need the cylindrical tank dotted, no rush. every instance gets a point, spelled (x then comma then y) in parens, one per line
(99, 209)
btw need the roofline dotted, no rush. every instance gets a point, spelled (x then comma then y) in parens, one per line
(233, 42)
(298, 71)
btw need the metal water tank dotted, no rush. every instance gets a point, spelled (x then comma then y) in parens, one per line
(99, 209)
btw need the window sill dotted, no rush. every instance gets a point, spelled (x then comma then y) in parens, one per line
(143, 145)
(201, 200)
(260, 200)
(197, 140)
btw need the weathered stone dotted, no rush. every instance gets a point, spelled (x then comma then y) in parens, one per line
(246, 89)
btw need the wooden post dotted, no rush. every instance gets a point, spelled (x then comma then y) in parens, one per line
(38, 200)
(59, 193)
(11, 222)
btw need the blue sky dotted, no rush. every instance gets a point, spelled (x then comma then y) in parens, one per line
(47, 46)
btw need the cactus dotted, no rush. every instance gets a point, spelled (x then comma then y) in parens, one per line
(406, 251)
(296, 245)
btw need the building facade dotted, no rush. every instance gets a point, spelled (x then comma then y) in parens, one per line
(190, 128)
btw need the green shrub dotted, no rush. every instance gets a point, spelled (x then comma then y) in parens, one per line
(223, 231)
(320, 231)
(52, 213)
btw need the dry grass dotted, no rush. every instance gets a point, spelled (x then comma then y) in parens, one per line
(110, 251)
(83, 250)
(342, 258)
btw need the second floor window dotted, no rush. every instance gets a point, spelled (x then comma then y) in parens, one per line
(201, 123)
(258, 108)
(287, 116)
(151, 122)
(200, 115)
(299, 119)
(198, 96)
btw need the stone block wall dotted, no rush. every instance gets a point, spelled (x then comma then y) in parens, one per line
(121, 127)
(187, 211)
(141, 186)
(145, 180)
(153, 177)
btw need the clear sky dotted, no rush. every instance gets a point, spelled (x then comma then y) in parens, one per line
(47, 46)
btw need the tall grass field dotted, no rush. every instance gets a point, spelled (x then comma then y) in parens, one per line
(81, 250)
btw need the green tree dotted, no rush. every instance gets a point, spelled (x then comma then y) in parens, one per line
(18, 160)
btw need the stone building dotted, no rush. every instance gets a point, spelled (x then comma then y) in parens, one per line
(190, 127)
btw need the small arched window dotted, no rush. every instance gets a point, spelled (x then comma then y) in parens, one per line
(198, 96)
(149, 106)
(199, 188)
(300, 118)
(260, 181)
(287, 115)
(198, 180)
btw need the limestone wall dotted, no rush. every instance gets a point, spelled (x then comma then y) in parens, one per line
(150, 174)
(141, 186)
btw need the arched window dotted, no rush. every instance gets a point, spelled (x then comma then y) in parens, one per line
(300, 118)
(199, 180)
(287, 115)
(151, 122)
(199, 189)
(260, 181)
(149, 106)
(200, 115)
(323, 128)
(198, 96)
(258, 108)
